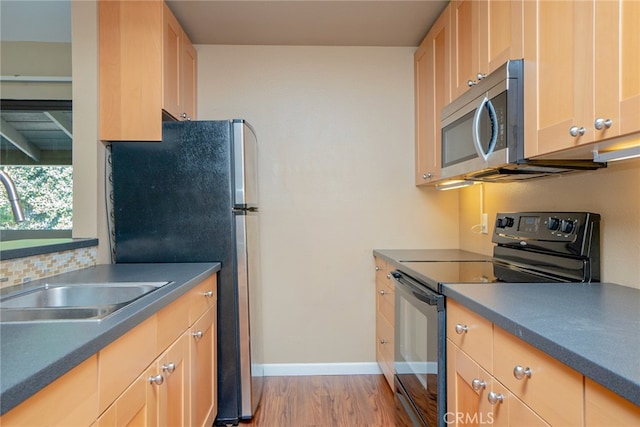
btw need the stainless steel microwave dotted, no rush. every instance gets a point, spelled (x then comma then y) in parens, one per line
(483, 133)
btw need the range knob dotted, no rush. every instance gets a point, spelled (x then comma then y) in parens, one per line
(567, 226)
(509, 221)
(553, 223)
(501, 223)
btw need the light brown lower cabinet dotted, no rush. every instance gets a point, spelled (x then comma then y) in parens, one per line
(519, 385)
(161, 373)
(385, 295)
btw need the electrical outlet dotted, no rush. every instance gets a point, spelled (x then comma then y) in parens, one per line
(484, 227)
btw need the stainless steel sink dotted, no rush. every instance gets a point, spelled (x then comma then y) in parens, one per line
(87, 301)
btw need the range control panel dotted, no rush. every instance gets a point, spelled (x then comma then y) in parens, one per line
(547, 229)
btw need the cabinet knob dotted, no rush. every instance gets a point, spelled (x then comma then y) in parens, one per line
(461, 329)
(520, 373)
(383, 341)
(576, 131)
(183, 115)
(427, 175)
(377, 268)
(197, 335)
(471, 83)
(382, 292)
(601, 123)
(169, 367)
(157, 379)
(478, 384)
(389, 276)
(480, 76)
(495, 398)
(208, 294)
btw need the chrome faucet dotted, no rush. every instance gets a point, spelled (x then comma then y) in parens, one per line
(12, 194)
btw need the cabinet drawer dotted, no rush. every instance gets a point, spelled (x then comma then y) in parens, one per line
(121, 362)
(471, 332)
(203, 296)
(550, 388)
(71, 400)
(173, 320)
(604, 407)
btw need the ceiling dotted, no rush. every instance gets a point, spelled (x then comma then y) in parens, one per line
(307, 22)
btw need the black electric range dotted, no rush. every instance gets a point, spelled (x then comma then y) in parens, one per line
(529, 247)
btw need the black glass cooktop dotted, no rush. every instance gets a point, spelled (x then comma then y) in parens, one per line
(435, 273)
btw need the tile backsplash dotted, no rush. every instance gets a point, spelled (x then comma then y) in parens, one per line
(22, 270)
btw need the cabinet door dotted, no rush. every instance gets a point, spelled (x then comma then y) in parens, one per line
(432, 93)
(629, 82)
(466, 389)
(130, 34)
(507, 410)
(500, 33)
(189, 79)
(465, 47)
(560, 107)
(172, 57)
(204, 381)
(174, 397)
(136, 407)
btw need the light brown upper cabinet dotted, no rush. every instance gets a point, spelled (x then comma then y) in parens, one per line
(147, 70)
(485, 34)
(432, 93)
(581, 81)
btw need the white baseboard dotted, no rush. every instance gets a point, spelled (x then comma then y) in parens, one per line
(297, 369)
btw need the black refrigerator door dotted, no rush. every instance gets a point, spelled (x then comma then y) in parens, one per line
(172, 200)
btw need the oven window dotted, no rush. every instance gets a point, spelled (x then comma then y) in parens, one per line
(416, 361)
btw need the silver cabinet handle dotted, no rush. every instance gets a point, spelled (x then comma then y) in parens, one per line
(478, 384)
(382, 292)
(576, 131)
(157, 379)
(383, 341)
(183, 115)
(480, 76)
(208, 294)
(169, 367)
(377, 268)
(495, 398)
(389, 276)
(197, 335)
(460, 329)
(601, 123)
(520, 373)
(471, 83)
(427, 175)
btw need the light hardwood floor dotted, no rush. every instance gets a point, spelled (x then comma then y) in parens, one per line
(327, 401)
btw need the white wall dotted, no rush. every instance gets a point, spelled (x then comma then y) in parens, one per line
(336, 135)
(614, 193)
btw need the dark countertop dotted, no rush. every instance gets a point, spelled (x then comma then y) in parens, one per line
(12, 249)
(592, 328)
(34, 354)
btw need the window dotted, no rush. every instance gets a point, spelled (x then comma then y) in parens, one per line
(35, 151)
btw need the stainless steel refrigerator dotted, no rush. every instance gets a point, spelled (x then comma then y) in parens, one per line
(194, 197)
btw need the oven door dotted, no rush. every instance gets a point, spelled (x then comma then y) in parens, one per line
(420, 375)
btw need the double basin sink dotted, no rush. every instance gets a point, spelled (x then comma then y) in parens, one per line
(73, 301)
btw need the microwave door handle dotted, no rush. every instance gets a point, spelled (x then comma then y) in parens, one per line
(486, 102)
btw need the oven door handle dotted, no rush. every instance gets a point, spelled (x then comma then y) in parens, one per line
(419, 290)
